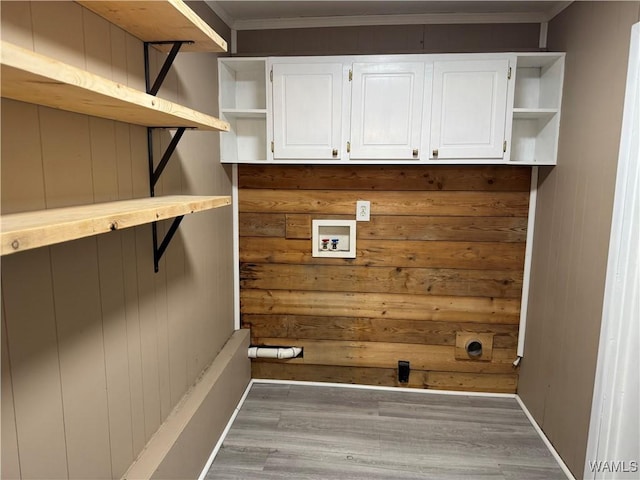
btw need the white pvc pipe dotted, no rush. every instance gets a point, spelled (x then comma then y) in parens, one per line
(274, 352)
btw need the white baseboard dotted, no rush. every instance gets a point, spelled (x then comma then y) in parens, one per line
(429, 391)
(544, 438)
(212, 457)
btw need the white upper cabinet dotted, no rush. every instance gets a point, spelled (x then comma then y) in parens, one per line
(469, 109)
(386, 110)
(307, 110)
(477, 108)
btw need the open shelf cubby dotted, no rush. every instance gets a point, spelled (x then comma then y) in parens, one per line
(536, 108)
(243, 104)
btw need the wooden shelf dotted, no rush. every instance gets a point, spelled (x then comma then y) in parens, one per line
(24, 231)
(534, 113)
(156, 21)
(30, 77)
(244, 113)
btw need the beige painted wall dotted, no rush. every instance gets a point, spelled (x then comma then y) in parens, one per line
(96, 348)
(390, 39)
(573, 222)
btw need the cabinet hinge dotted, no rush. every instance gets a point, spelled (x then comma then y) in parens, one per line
(272, 146)
(350, 75)
(509, 74)
(271, 75)
(504, 146)
(348, 147)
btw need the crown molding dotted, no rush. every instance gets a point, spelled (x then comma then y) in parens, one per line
(221, 12)
(557, 9)
(377, 20)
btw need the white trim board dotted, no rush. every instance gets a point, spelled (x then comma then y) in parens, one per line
(236, 246)
(524, 409)
(528, 255)
(544, 32)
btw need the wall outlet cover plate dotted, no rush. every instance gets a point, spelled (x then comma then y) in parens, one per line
(363, 210)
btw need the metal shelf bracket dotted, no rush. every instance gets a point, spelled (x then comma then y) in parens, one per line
(156, 172)
(166, 66)
(158, 251)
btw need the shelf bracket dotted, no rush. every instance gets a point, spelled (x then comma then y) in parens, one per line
(158, 251)
(156, 172)
(166, 66)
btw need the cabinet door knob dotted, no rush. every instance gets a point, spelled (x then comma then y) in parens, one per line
(415, 152)
(435, 152)
(335, 152)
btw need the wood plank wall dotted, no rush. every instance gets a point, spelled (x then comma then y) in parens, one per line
(443, 253)
(96, 348)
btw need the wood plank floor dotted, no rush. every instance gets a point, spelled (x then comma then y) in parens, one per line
(322, 432)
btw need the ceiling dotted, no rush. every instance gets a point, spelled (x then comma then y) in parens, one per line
(258, 15)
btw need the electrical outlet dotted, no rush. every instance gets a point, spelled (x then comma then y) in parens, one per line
(404, 368)
(363, 210)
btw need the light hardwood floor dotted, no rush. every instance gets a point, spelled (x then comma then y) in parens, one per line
(323, 432)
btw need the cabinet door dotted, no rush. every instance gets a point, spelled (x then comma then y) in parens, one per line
(307, 110)
(386, 110)
(469, 109)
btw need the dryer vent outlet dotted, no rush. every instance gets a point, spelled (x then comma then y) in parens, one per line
(474, 348)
